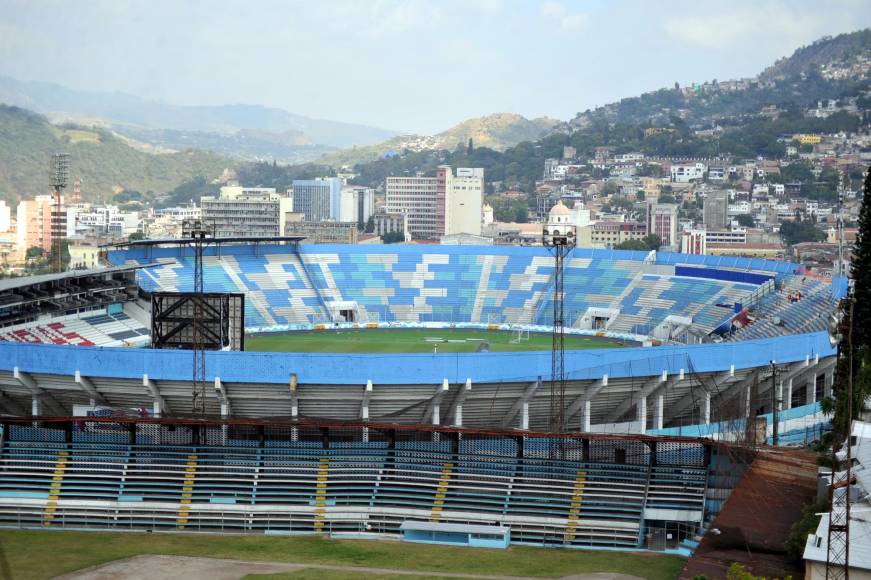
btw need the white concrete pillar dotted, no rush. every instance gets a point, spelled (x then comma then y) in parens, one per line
(641, 409)
(747, 402)
(660, 404)
(458, 416)
(585, 426)
(812, 389)
(524, 416)
(707, 408)
(830, 383)
(155, 408)
(787, 402)
(34, 406)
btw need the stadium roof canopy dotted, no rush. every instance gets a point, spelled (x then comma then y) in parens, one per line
(24, 281)
(227, 240)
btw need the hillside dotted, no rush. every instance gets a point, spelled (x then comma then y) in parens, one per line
(105, 162)
(830, 68)
(824, 56)
(499, 132)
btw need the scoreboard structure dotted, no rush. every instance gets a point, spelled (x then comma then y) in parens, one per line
(219, 318)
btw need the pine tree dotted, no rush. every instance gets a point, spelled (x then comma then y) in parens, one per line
(861, 271)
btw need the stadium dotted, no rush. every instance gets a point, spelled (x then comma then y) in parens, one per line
(403, 390)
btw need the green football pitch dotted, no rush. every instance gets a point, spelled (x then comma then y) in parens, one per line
(414, 341)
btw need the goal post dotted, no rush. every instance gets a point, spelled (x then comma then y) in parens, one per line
(519, 335)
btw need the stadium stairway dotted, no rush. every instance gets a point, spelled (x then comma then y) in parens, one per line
(187, 491)
(575, 512)
(444, 482)
(60, 468)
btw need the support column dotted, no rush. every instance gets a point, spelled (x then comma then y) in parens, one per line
(829, 382)
(585, 420)
(660, 404)
(811, 389)
(524, 416)
(641, 416)
(34, 406)
(707, 408)
(787, 403)
(747, 401)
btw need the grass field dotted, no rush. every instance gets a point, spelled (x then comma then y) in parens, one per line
(36, 554)
(412, 340)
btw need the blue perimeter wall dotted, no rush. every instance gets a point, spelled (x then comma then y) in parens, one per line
(321, 368)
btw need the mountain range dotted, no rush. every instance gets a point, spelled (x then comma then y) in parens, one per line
(121, 142)
(243, 131)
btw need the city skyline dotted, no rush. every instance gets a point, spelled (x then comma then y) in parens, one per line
(362, 62)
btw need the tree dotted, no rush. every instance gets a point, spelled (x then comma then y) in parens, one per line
(799, 231)
(632, 245)
(135, 236)
(652, 241)
(34, 252)
(861, 271)
(745, 220)
(62, 246)
(666, 198)
(370, 224)
(393, 237)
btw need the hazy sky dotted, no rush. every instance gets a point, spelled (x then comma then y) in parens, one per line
(412, 65)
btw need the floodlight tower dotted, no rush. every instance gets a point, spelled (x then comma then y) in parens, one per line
(559, 238)
(58, 176)
(197, 231)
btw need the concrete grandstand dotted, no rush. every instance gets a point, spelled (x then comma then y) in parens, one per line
(358, 443)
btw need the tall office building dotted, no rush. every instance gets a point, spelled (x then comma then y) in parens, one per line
(463, 199)
(716, 210)
(446, 204)
(246, 212)
(358, 203)
(662, 221)
(318, 199)
(416, 198)
(34, 223)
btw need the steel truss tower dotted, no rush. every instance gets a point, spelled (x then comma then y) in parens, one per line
(59, 175)
(198, 232)
(838, 543)
(559, 239)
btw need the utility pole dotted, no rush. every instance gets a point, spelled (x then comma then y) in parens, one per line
(775, 404)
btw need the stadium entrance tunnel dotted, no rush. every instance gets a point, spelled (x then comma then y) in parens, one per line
(431, 484)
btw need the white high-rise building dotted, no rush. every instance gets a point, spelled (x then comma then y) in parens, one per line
(464, 198)
(358, 203)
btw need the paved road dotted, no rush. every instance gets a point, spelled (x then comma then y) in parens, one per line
(174, 567)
